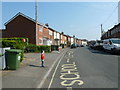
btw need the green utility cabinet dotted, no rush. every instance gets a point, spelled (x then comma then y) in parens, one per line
(13, 57)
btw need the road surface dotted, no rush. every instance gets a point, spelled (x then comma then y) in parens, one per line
(84, 68)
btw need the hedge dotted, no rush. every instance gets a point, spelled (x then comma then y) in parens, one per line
(54, 47)
(14, 43)
(17, 43)
(16, 39)
(34, 48)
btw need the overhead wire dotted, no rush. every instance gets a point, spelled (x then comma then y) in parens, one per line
(108, 17)
(110, 14)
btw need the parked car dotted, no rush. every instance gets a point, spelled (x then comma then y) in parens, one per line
(112, 45)
(73, 46)
(91, 44)
(98, 45)
(81, 45)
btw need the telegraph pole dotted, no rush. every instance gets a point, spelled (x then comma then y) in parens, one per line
(36, 10)
(101, 30)
(74, 38)
(36, 19)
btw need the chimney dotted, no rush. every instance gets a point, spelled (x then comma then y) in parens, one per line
(47, 25)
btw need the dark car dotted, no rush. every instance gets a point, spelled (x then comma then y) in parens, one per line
(73, 46)
(81, 45)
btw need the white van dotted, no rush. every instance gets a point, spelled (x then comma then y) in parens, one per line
(98, 45)
(112, 44)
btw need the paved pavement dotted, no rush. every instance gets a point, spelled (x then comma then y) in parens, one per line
(85, 68)
(31, 74)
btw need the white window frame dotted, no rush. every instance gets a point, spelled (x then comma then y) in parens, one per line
(40, 41)
(40, 28)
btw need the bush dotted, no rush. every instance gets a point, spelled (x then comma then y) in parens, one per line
(54, 47)
(45, 48)
(14, 43)
(34, 48)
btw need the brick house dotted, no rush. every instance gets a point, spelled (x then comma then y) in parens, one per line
(77, 41)
(68, 40)
(0, 33)
(63, 38)
(112, 33)
(72, 40)
(56, 38)
(84, 42)
(51, 33)
(46, 36)
(23, 26)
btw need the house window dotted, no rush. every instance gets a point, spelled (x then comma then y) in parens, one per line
(50, 32)
(40, 41)
(41, 28)
(65, 38)
(61, 37)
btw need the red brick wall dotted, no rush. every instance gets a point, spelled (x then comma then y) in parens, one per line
(52, 37)
(63, 39)
(46, 32)
(21, 27)
(40, 36)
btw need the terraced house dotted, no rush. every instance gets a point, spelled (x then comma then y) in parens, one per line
(112, 33)
(23, 26)
(63, 39)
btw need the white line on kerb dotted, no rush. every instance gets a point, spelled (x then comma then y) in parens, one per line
(54, 72)
(44, 78)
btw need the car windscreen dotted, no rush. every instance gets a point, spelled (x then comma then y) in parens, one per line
(116, 41)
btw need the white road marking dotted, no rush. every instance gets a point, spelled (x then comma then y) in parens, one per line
(69, 88)
(72, 56)
(69, 54)
(73, 62)
(80, 82)
(71, 51)
(44, 78)
(68, 60)
(54, 72)
(77, 76)
(67, 69)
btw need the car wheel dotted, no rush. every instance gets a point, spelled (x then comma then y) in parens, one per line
(112, 50)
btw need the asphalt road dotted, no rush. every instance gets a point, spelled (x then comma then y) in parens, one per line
(84, 68)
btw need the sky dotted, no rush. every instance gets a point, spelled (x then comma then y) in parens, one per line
(82, 19)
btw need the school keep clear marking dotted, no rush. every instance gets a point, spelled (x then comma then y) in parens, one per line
(70, 69)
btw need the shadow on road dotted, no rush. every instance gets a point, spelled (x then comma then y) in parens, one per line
(99, 51)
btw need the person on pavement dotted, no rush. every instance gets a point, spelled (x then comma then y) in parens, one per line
(42, 58)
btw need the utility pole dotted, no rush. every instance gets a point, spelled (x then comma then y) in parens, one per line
(36, 20)
(118, 12)
(101, 30)
(74, 38)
